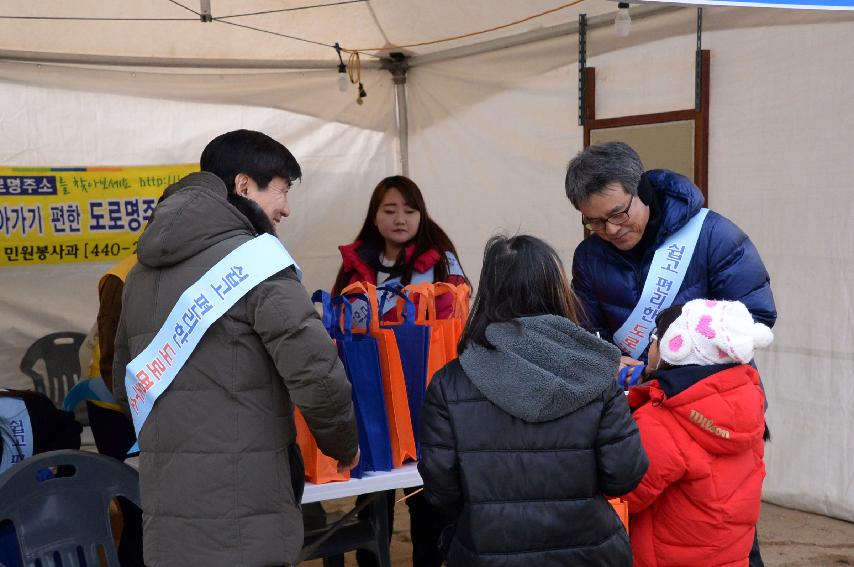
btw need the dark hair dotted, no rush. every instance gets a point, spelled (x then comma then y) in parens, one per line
(599, 165)
(521, 276)
(245, 151)
(429, 236)
(663, 321)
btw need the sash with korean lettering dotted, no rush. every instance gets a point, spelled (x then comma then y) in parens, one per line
(668, 268)
(153, 370)
(16, 432)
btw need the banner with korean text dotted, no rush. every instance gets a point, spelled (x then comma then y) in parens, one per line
(77, 214)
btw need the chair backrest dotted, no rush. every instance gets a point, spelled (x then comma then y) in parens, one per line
(60, 353)
(67, 516)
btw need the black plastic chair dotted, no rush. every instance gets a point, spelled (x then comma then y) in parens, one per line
(66, 517)
(61, 355)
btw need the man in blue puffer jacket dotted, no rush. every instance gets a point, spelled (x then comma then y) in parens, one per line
(631, 213)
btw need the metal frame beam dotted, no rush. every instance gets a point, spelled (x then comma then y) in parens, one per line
(173, 62)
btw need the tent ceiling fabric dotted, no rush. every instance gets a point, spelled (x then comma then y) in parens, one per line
(355, 25)
(312, 92)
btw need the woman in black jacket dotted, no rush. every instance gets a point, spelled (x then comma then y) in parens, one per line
(526, 433)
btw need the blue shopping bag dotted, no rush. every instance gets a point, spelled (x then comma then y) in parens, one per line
(413, 342)
(328, 314)
(361, 358)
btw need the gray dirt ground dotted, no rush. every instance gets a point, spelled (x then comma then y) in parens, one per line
(788, 538)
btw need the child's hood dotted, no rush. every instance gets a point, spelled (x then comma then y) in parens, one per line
(542, 367)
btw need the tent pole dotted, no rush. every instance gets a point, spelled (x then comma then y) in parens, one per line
(397, 65)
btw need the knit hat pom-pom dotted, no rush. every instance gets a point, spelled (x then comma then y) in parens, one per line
(762, 335)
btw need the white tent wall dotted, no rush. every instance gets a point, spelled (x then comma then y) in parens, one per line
(52, 127)
(491, 136)
(489, 139)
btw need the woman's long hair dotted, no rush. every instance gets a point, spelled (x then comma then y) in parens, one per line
(429, 235)
(521, 276)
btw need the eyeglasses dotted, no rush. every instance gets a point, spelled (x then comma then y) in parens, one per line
(616, 219)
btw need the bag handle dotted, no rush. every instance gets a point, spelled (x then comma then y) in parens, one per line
(460, 295)
(426, 301)
(363, 297)
(630, 376)
(325, 300)
(343, 310)
(370, 291)
(408, 307)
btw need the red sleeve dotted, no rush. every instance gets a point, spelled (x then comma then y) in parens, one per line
(666, 462)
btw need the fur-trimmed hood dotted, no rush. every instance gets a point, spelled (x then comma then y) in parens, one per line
(542, 367)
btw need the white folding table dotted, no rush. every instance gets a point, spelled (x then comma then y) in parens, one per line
(405, 477)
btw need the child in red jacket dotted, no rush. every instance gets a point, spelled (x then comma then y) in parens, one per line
(701, 420)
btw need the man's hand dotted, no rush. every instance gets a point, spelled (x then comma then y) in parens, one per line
(342, 466)
(628, 361)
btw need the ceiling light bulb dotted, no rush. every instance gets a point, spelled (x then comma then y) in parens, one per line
(623, 22)
(343, 81)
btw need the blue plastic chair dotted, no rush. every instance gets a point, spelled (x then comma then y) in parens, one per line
(65, 518)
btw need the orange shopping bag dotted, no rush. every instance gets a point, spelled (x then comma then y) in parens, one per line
(437, 356)
(319, 468)
(459, 315)
(394, 382)
(444, 333)
(622, 509)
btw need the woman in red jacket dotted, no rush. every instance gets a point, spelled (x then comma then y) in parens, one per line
(701, 421)
(400, 244)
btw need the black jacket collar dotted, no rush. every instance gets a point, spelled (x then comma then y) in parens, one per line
(679, 378)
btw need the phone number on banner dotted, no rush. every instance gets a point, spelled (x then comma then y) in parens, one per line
(75, 252)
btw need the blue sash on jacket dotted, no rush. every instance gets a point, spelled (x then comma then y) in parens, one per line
(668, 268)
(16, 432)
(153, 370)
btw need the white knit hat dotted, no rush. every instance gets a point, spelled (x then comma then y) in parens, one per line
(713, 332)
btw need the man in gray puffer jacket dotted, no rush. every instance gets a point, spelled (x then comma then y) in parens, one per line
(220, 474)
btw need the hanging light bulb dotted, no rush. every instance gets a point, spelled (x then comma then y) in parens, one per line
(623, 21)
(343, 81)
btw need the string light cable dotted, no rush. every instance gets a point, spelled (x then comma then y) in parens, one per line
(355, 66)
(187, 8)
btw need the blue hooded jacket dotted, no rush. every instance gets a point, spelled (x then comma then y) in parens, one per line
(725, 265)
